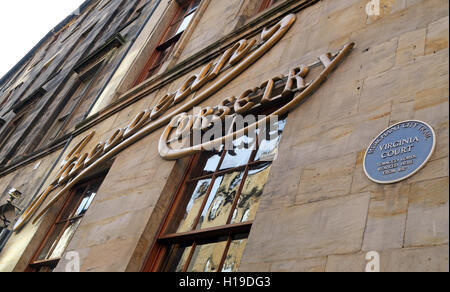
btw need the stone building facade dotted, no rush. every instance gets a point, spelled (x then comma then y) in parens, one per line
(117, 72)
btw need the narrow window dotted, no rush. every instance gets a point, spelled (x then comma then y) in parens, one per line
(62, 123)
(73, 108)
(61, 232)
(183, 17)
(208, 225)
(10, 130)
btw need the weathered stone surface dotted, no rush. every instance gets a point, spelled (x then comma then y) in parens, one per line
(427, 259)
(278, 195)
(437, 38)
(308, 231)
(326, 179)
(300, 265)
(100, 257)
(379, 58)
(433, 170)
(387, 221)
(410, 46)
(254, 267)
(442, 144)
(428, 214)
(402, 109)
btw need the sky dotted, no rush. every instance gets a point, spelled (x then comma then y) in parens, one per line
(23, 23)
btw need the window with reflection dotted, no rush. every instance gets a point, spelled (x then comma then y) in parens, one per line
(65, 226)
(208, 225)
(183, 17)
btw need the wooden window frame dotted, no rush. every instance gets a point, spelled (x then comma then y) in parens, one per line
(160, 250)
(266, 4)
(36, 264)
(167, 44)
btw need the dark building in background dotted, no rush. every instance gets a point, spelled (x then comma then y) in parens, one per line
(54, 87)
(51, 91)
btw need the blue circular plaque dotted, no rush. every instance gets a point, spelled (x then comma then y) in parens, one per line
(399, 152)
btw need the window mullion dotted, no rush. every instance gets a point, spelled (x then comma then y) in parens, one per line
(62, 221)
(73, 219)
(238, 195)
(205, 200)
(66, 222)
(224, 257)
(53, 227)
(219, 173)
(55, 243)
(191, 255)
(244, 179)
(214, 232)
(86, 188)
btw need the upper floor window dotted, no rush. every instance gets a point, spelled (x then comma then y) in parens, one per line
(10, 130)
(266, 4)
(75, 105)
(61, 232)
(65, 120)
(180, 22)
(208, 225)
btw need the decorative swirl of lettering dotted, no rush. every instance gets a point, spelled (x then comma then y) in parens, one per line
(149, 121)
(295, 83)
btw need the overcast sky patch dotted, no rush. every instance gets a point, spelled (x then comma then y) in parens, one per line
(24, 23)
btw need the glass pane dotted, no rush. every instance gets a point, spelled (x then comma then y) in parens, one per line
(89, 203)
(178, 258)
(207, 257)
(268, 148)
(51, 242)
(159, 61)
(69, 210)
(185, 23)
(220, 201)
(208, 163)
(194, 205)
(62, 244)
(235, 253)
(85, 203)
(240, 155)
(81, 207)
(177, 22)
(251, 194)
